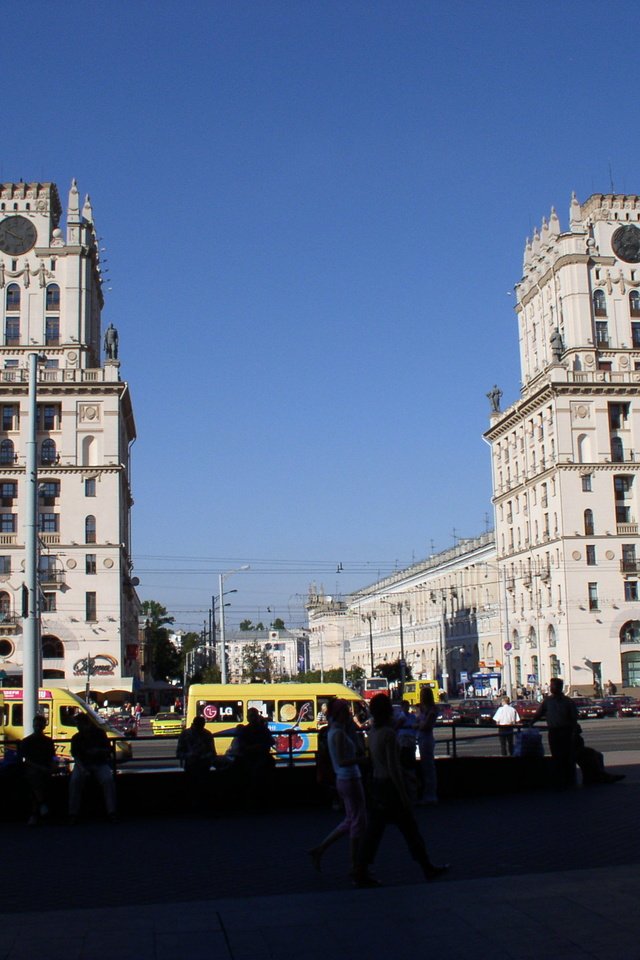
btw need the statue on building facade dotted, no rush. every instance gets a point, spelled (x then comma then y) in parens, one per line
(557, 345)
(495, 396)
(111, 342)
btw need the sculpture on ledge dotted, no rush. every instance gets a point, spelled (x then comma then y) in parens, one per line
(557, 345)
(111, 342)
(495, 396)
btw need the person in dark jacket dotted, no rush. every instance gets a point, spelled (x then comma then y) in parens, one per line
(92, 758)
(561, 715)
(38, 755)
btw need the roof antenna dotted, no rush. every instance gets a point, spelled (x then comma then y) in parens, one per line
(611, 178)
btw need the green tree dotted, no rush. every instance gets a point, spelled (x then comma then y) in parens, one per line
(162, 657)
(248, 625)
(278, 624)
(257, 663)
(392, 671)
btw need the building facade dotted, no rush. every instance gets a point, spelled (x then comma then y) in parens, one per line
(52, 298)
(443, 616)
(566, 455)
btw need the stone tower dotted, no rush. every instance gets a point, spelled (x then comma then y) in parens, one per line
(566, 455)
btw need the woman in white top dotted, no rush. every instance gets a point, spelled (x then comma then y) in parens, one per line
(345, 756)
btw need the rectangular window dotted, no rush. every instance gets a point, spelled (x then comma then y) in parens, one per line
(49, 522)
(631, 589)
(629, 558)
(49, 415)
(602, 334)
(635, 334)
(593, 596)
(9, 416)
(605, 365)
(8, 522)
(221, 711)
(90, 487)
(586, 482)
(90, 563)
(49, 492)
(52, 331)
(12, 331)
(591, 555)
(8, 491)
(50, 364)
(623, 514)
(90, 606)
(5, 566)
(49, 602)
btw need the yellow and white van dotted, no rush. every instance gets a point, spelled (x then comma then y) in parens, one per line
(59, 708)
(291, 710)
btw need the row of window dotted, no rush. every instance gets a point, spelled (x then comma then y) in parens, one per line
(48, 567)
(48, 523)
(49, 605)
(52, 298)
(630, 593)
(600, 303)
(48, 416)
(48, 491)
(12, 336)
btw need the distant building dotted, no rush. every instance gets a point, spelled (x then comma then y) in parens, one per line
(51, 288)
(566, 455)
(443, 613)
(286, 652)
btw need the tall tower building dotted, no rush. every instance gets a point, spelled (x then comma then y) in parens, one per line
(52, 298)
(566, 455)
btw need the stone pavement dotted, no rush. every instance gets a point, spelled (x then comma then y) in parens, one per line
(535, 875)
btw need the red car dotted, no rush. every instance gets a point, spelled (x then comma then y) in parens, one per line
(620, 706)
(447, 714)
(526, 709)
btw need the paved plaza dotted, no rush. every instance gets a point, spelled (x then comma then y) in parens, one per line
(534, 875)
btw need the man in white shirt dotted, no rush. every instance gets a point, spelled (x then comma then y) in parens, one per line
(506, 717)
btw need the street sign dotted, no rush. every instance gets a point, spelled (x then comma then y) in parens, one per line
(508, 646)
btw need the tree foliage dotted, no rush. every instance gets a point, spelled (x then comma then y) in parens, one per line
(257, 663)
(392, 671)
(162, 658)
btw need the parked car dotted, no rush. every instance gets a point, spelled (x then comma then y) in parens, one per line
(477, 712)
(526, 709)
(620, 706)
(124, 724)
(447, 714)
(167, 724)
(588, 709)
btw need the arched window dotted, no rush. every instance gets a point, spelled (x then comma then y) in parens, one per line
(7, 452)
(517, 666)
(13, 297)
(48, 453)
(52, 648)
(5, 606)
(554, 666)
(599, 303)
(90, 529)
(634, 303)
(588, 523)
(534, 668)
(617, 450)
(53, 297)
(551, 636)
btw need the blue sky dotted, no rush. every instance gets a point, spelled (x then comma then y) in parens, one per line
(314, 215)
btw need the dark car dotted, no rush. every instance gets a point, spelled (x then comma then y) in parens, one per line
(477, 712)
(124, 724)
(526, 709)
(588, 709)
(447, 714)
(620, 706)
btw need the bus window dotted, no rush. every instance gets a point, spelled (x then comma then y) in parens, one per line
(221, 711)
(16, 715)
(266, 708)
(295, 711)
(68, 715)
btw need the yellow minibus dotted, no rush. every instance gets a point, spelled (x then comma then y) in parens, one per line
(413, 688)
(59, 708)
(291, 710)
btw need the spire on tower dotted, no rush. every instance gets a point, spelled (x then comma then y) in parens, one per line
(554, 222)
(575, 212)
(73, 208)
(87, 211)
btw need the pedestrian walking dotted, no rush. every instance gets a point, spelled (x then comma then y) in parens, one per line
(345, 753)
(389, 800)
(506, 717)
(427, 716)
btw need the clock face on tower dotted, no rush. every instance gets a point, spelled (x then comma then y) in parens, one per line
(626, 243)
(17, 235)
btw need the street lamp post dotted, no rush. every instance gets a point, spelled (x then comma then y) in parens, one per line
(32, 654)
(223, 653)
(399, 607)
(370, 616)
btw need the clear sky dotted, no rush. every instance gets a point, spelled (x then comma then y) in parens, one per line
(314, 215)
